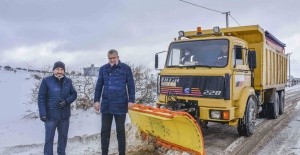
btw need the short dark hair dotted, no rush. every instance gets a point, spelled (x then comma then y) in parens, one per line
(113, 51)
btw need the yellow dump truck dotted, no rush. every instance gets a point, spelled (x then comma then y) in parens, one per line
(230, 75)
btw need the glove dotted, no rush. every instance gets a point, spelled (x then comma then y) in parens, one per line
(44, 118)
(61, 104)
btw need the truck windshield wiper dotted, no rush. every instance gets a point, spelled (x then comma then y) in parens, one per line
(187, 67)
(207, 66)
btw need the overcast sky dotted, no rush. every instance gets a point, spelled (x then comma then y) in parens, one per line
(80, 32)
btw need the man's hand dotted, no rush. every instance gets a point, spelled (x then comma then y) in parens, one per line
(61, 104)
(130, 104)
(97, 106)
(44, 118)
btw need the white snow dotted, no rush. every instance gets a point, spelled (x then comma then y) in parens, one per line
(26, 136)
(21, 136)
(286, 141)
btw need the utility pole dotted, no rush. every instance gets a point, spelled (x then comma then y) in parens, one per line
(227, 21)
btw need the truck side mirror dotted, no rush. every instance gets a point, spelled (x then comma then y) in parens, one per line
(156, 60)
(252, 60)
(157, 64)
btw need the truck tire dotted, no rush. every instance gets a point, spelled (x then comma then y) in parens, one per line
(281, 102)
(263, 113)
(247, 123)
(273, 108)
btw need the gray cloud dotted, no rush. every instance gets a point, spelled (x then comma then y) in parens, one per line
(139, 28)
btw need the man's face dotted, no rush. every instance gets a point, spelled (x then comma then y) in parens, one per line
(113, 59)
(187, 53)
(59, 72)
(225, 48)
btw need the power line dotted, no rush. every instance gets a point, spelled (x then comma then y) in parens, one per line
(295, 60)
(227, 13)
(201, 6)
(234, 19)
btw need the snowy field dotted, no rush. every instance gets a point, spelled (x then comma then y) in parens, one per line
(23, 137)
(15, 89)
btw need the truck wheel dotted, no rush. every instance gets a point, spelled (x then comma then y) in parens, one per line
(281, 103)
(247, 123)
(273, 108)
(263, 113)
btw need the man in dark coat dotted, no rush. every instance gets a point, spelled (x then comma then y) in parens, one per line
(56, 93)
(186, 57)
(223, 56)
(114, 82)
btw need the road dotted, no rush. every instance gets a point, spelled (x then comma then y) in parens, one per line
(286, 141)
(266, 130)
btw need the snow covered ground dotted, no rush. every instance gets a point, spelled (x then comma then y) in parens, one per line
(23, 137)
(15, 88)
(286, 141)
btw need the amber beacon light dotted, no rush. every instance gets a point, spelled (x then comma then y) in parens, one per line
(199, 30)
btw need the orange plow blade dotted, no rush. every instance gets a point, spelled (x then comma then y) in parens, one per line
(173, 130)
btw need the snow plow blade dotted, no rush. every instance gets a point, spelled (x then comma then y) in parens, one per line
(171, 129)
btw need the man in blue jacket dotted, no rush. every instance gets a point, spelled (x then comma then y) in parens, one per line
(115, 85)
(56, 93)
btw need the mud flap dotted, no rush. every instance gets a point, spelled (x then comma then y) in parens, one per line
(178, 129)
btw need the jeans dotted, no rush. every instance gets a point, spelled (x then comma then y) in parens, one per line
(62, 127)
(105, 132)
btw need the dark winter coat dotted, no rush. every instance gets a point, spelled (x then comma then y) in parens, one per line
(51, 91)
(113, 85)
(222, 59)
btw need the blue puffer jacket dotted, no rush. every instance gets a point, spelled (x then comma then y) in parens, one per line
(51, 90)
(113, 85)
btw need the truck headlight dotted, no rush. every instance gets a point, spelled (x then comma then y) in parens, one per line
(216, 114)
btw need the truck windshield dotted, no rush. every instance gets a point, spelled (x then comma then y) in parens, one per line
(205, 53)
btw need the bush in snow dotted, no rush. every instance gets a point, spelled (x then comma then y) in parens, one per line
(145, 83)
(8, 68)
(85, 87)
